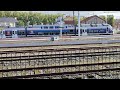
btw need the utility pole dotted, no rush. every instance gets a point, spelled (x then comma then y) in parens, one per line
(74, 22)
(106, 19)
(78, 24)
(61, 26)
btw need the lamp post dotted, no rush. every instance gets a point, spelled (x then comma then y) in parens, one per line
(78, 24)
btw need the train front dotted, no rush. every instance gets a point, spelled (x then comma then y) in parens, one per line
(110, 29)
(8, 33)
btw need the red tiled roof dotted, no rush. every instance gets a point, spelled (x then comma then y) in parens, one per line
(68, 18)
(86, 19)
(69, 22)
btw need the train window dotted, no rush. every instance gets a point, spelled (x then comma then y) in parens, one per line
(71, 30)
(23, 33)
(45, 33)
(56, 26)
(107, 28)
(45, 27)
(13, 32)
(57, 33)
(51, 27)
(66, 26)
(82, 30)
(77, 31)
(41, 27)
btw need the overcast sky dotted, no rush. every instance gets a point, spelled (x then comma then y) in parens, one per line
(85, 13)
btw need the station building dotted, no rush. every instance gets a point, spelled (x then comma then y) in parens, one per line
(89, 20)
(8, 22)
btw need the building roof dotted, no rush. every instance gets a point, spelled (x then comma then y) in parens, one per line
(8, 19)
(88, 18)
(68, 18)
(69, 22)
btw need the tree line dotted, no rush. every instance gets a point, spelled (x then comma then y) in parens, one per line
(30, 17)
(109, 19)
(37, 18)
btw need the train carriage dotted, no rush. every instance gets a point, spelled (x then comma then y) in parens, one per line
(49, 30)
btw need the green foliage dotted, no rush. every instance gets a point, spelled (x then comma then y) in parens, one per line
(38, 18)
(103, 17)
(20, 23)
(32, 17)
(110, 20)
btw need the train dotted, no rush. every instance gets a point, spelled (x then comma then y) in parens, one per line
(50, 30)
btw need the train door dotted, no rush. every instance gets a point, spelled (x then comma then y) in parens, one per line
(84, 32)
(107, 30)
(14, 33)
(0, 34)
(3, 34)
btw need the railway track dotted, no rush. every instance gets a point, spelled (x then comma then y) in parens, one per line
(63, 70)
(58, 62)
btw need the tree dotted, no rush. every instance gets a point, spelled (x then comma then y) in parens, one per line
(110, 20)
(103, 17)
(32, 17)
(20, 23)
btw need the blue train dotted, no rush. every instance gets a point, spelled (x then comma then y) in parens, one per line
(48, 30)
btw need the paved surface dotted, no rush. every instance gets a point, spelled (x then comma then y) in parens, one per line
(61, 42)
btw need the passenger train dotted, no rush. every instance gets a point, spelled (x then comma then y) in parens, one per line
(49, 30)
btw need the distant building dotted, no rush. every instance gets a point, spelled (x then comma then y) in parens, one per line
(93, 20)
(89, 20)
(117, 24)
(8, 22)
(68, 20)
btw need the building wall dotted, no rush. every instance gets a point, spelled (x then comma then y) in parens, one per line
(94, 20)
(117, 26)
(11, 24)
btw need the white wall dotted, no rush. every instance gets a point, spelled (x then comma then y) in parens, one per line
(95, 20)
(11, 24)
